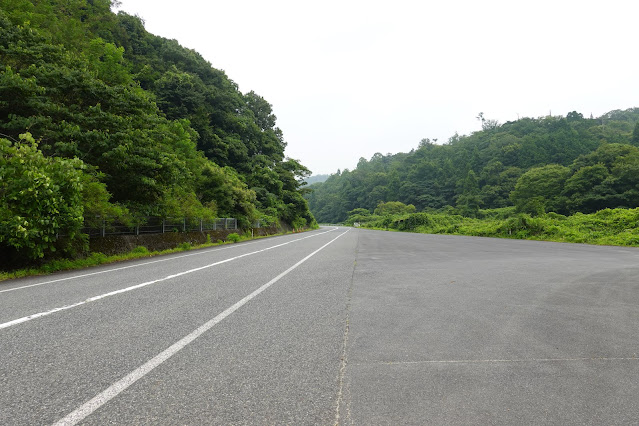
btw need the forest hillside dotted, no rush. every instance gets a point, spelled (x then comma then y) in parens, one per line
(99, 118)
(562, 164)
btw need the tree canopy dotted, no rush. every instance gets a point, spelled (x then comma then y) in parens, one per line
(562, 164)
(154, 123)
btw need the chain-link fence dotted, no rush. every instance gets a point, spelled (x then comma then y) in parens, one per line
(101, 227)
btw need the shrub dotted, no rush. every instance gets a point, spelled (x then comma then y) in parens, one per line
(299, 223)
(234, 237)
(413, 221)
(97, 258)
(140, 250)
(393, 207)
(522, 226)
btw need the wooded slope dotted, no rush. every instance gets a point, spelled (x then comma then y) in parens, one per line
(562, 164)
(155, 128)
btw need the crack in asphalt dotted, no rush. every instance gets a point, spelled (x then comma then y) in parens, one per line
(342, 386)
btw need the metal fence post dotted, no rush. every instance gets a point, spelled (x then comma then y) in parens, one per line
(141, 226)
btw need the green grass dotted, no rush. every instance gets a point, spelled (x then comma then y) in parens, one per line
(95, 259)
(619, 227)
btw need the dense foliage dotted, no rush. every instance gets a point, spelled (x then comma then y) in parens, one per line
(157, 129)
(39, 197)
(607, 226)
(560, 164)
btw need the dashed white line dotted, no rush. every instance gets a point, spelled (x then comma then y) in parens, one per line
(144, 284)
(112, 391)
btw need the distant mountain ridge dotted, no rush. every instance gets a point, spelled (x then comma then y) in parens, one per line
(316, 179)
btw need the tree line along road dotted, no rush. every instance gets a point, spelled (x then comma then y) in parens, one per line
(334, 326)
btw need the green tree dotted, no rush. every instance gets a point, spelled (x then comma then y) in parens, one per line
(469, 201)
(432, 176)
(222, 190)
(635, 135)
(393, 208)
(40, 198)
(164, 132)
(623, 185)
(584, 189)
(539, 190)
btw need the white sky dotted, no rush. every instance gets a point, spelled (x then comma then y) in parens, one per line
(351, 78)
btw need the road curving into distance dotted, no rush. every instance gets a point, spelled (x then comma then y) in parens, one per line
(334, 326)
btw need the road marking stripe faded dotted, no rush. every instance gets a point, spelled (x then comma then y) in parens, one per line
(112, 391)
(137, 286)
(148, 263)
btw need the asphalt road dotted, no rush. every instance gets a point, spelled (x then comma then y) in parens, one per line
(334, 326)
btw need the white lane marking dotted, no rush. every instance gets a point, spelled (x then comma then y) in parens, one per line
(147, 263)
(121, 268)
(144, 284)
(112, 391)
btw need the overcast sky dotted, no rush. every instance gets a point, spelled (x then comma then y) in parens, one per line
(351, 78)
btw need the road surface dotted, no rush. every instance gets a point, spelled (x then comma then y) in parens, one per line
(335, 326)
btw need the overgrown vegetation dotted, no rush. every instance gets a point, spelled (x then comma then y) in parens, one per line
(605, 227)
(116, 122)
(40, 197)
(569, 179)
(233, 237)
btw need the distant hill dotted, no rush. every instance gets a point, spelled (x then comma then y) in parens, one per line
(315, 179)
(562, 164)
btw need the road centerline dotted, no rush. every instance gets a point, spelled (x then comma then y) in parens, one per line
(144, 284)
(115, 389)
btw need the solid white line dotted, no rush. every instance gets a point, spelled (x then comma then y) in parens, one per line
(147, 263)
(112, 391)
(120, 268)
(137, 286)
